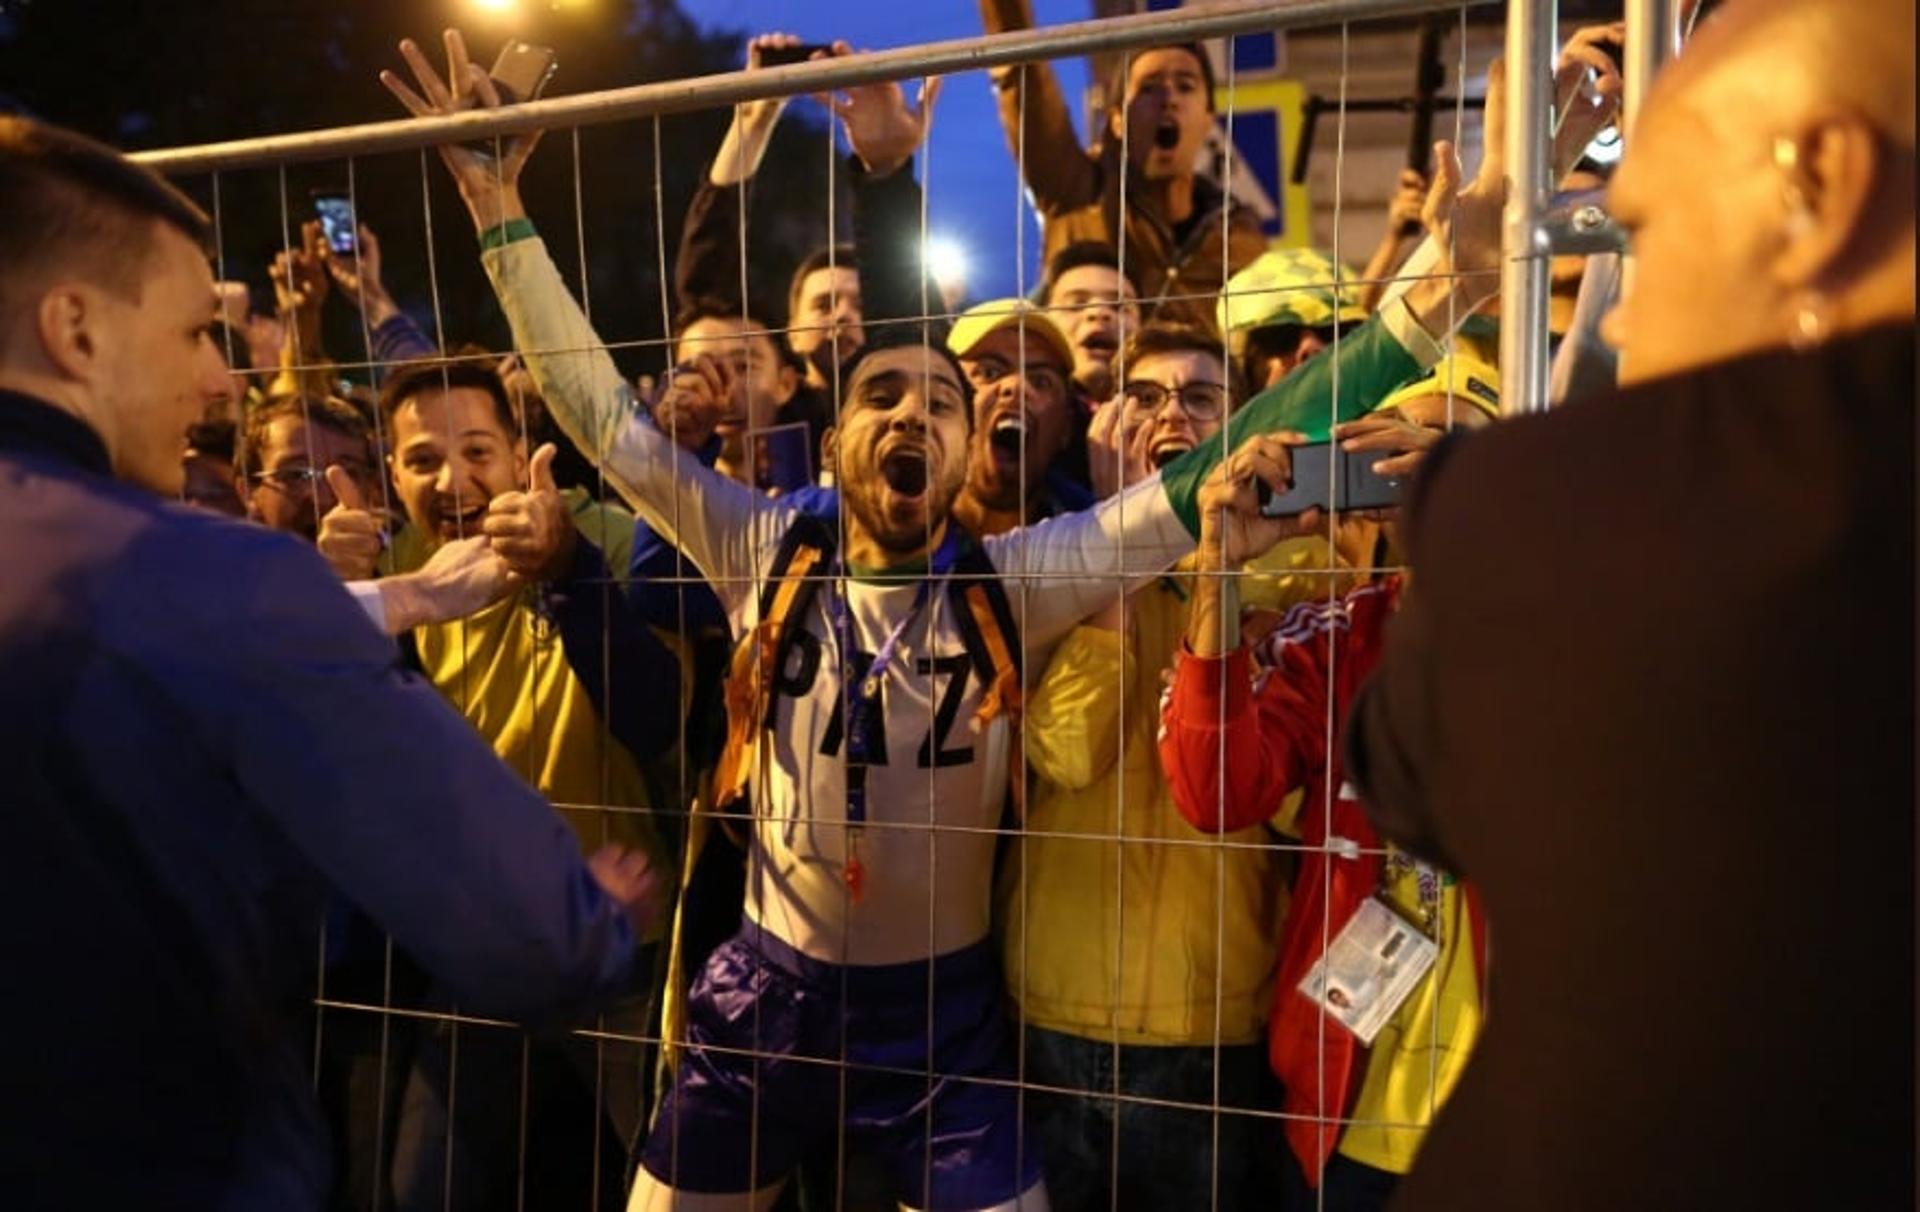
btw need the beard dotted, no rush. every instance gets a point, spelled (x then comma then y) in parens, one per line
(901, 529)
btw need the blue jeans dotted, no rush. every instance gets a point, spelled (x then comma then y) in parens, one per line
(1101, 1153)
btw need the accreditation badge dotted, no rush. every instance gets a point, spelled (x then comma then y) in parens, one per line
(1370, 969)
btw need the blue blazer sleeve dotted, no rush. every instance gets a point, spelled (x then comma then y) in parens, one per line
(367, 772)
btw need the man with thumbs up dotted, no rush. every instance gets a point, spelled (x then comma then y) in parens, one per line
(562, 677)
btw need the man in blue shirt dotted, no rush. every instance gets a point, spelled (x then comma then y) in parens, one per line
(205, 740)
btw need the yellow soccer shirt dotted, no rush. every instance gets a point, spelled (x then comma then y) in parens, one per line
(505, 668)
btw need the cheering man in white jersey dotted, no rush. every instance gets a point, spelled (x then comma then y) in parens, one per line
(872, 708)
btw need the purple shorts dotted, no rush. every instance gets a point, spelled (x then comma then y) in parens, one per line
(928, 1074)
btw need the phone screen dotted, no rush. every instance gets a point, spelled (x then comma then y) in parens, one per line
(336, 221)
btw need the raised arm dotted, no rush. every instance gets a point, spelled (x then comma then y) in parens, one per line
(706, 268)
(300, 296)
(717, 522)
(884, 132)
(1210, 713)
(393, 335)
(1058, 170)
(1407, 336)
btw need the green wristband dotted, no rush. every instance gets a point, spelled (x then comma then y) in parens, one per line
(511, 231)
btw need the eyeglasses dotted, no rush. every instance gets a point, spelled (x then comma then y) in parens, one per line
(301, 481)
(1200, 401)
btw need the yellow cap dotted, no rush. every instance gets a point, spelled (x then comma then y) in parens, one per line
(977, 322)
(1465, 378)
(1288, 286)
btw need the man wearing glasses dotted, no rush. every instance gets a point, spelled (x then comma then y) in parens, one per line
(1106, 941)
(1019, 365)
(286, 446)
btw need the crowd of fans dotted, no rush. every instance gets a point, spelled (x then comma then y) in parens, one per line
(1014, 855)
(1156, 980)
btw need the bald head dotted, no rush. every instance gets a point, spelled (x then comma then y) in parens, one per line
(1769, 185)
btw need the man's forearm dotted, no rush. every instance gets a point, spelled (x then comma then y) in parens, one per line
(1213, 626)
(494, 207)
(712, 519)
(746, 142)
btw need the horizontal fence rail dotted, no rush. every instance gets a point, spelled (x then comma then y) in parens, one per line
(705, 92)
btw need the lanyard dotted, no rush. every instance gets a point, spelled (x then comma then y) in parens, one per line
(863, 695)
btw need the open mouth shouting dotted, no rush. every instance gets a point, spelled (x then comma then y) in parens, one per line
(1006, 438)
(1166, 133)
(1101, 344)
(1166, 450)
(904, 470)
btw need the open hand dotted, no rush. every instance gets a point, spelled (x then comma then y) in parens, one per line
(883, 130)
(532, 530)
(351, 534)
(489, 184)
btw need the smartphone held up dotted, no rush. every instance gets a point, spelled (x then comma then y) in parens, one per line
(337, 224)
(519, 74)
(1328, 478)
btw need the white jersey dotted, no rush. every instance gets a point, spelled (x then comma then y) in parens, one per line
(934, 806)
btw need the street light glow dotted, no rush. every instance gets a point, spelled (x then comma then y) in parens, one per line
(946, 260)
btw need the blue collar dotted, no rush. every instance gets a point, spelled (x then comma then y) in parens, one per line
(32, 426)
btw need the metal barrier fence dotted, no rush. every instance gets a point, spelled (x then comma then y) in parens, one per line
(1531, 39)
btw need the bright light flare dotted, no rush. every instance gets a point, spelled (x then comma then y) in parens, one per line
(946, 260)
(495, 7)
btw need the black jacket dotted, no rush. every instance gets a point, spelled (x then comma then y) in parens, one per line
(1653, 691)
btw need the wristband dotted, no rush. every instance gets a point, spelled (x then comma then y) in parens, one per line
(512, 231)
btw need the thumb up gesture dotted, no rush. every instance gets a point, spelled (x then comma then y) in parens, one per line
(351, 534)
(531, 530)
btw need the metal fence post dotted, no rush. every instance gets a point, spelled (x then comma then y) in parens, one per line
(1531, 41)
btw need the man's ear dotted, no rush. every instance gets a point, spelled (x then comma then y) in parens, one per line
(67, 323)
(789, 383)
(1830, 172)
(520, 460)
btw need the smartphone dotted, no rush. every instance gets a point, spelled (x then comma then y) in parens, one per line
(522, 71)
(784, 56)
(1325, 477)
(335, 211)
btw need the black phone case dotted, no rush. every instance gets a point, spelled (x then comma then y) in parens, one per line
(1325, 477)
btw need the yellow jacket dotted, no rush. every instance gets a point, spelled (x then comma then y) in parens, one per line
(1100, 937)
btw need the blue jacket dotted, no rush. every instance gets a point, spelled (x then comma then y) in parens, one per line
(204, 739)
